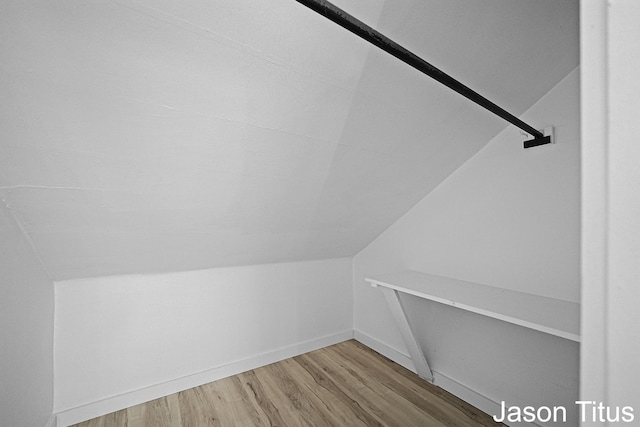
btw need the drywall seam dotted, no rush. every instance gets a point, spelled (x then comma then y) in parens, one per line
(26, 236)
(159, 275)
(70, 416)
(207, 33)
(51, 422)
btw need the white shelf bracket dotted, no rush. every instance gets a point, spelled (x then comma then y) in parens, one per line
(400, 316)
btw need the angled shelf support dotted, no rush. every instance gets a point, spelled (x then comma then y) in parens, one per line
(415, 351)
(548, 315)
(543, 314)
(359, 28)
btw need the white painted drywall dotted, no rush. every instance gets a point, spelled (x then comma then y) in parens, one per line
(509, 218)
(594, 113)
(611, 229)
(120, 334)
(26, 330)
(153, 136)
(624, 206)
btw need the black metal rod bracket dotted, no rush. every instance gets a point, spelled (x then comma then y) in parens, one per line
(362, 30)
(547, 137)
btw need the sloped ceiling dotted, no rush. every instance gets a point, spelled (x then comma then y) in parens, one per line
(163, 135)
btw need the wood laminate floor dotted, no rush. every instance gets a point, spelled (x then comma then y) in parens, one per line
(346, 384)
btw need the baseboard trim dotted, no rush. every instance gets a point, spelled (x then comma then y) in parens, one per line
(469, 395)
(397, 356)
(68, 417)
(78, 414)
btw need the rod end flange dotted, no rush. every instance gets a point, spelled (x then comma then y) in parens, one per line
(548, 138)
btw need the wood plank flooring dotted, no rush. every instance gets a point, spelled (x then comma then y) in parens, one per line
(346, 384)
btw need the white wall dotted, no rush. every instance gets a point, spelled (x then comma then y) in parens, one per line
(509, 218)
(26, 330)
(123, 334)
(611, 205)
(624, 206)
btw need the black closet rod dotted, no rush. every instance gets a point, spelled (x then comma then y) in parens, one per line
(359, 28)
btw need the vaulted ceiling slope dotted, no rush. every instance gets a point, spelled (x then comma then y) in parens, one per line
(145, 136)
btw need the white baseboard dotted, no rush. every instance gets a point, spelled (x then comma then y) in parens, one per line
(397, 356)
(473, 397)
(78, 414)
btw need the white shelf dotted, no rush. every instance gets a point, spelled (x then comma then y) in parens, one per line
(549, 315)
